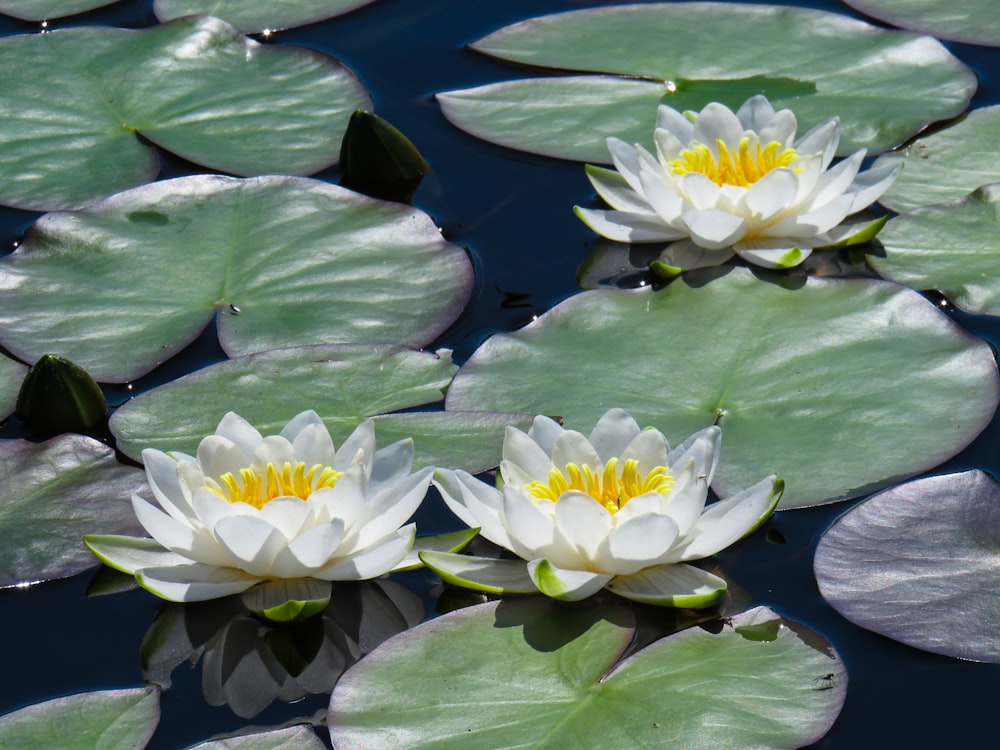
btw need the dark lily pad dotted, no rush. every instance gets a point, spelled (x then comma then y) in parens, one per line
(919, 563)
(98, 720)
(531, 674)
(38, 10)
(75, 99)
(121, 286)
(12, 373)
(51, 495)
(973, 21)
(884, 85)
(830, 383)
(344, 384)
(253, 16)
(953, 247)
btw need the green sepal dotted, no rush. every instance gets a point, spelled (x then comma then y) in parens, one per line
(856, 234)
(378, 160)
(453, 541)
(664, 270)
(486, 574)
(287, 600)
(59, 396)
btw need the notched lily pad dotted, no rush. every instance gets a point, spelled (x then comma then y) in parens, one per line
(74, 100)
(254, 16)
(972, 21)
(829, 383)
(122, 285)
(919, 563)
(884, 85)
(532, 674)
(344, 384)
(51, 495)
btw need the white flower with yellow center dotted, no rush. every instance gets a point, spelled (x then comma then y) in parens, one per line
(286, 509)
(724, 183)
(619, 510)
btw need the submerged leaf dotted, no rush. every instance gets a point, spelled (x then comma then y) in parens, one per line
(60, 396)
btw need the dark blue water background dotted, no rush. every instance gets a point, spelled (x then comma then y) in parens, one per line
(512, 210)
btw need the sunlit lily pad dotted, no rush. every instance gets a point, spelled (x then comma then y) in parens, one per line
(75, 99)
(12, 373)
(833, 384)
(973, 21)
(253, 16)
(954, 248)
(51, 495)
(37, 10)
(290, 738)
(884, 85)
(946, 165)
(532, 674)
(344, 384)
(919, 563)
(99, 720)
(121, 286)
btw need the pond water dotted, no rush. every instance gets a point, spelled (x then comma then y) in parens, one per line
(512, 210)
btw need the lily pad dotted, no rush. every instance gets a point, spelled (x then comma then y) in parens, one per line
(946, 165)
(75, 100)
(972, 21)
(919, 563)
(830, 383)
(290, 738)
(884, 85)
(38, 10)
(121, 286)
(12, 373)
(523, 674)
(344, 384)
(953, 247)
(51, 495)
(253, 16)
(98, 720)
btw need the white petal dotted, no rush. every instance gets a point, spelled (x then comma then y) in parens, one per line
(703, 446)
(544, 431)
(130, 554)
(524, 460)
(209, 507)
(622, 226)
(869, 186)
(218, 455)
(649, 448)
(669, 119)
(300, 422)
(781, 128)
(713, 229)
(377, 560)
(583, 523)
(671, 586)
(615, 191)
(275, 450)
(774, 253)
(771, 194)
(700, 191)
(640, 505)
(476, 503)
(626, 161)
(309, 552)
(834, 182)
(573, 448)
(668, 204)
(252, 542)
(613, 433)
(313, 445)
(755, 113)
(392, 507)
(822, 139)
(174, 534)
(233, 427)
(362, 441)
(195, 582)
(530, 531)
(161, 473)
(716, 122)
(287, 514)
(391, 463)
(686, 500)
(685, 255)
(668, 145)
(565, 585)
(810, 224)
(638, 543)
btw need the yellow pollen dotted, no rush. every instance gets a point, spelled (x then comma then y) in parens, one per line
(258, 489)
(607, 488)
(741, 167)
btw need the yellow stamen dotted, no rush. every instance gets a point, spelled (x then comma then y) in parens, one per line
(608, 488)
(742, 166)
(258, 489)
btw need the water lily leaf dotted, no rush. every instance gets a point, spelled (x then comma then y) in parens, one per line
(75, 99)
(974, 21)
(52, 494)
(38, 10)
(98, 720)
(290, 738)
(952, 247)
(124, 284)
(945, 165)
(884, 85)
(12, 373)
(253, 16)
(919, 563)
(344, 384)
(829, 383)
(530, 674)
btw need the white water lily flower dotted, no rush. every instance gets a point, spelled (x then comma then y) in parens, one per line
(285, 509)
(619, 510)
(723, 183)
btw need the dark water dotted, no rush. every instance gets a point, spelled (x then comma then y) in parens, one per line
(512, 210)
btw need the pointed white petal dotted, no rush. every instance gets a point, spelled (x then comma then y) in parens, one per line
(671, 586)
(869, 186)
(300, 422)
(716, 122)
(392, 507)
(668, 204)
(377, 560)
(668, 146)
(637, 544)
(714, 229)
(669, 119)
(252, 542)
(703, 446)
(626, 161)
(640, 505)
(822, 139)
(170, 532)
(649, 448)
(622, 226)
(523, 459)
(544, 431)
(700, 191)
(833, 183)
(565, 585)
(287, 514)
(195, 582)
(583, 522)
(807, 225)
(361, 441)
(613, 432)
(530, 531)
(573, 448)
(233, 427)
(781, 128)
(161, 473)
(313, 445)
(391, 463)
(476, 503)
(771, 194)
(615, 191)
(129, 554)
(275, 450)
(309, 552)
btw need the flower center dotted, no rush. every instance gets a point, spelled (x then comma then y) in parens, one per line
(742, 166)
(258, 489)
(608, 488)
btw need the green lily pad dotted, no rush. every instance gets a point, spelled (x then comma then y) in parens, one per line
(290, 738)
(38, 10)
(344, 384)
(830, 383)
(527, 674)
(98, 720)
(51, 495)
(12, 373)
(75, 100)
(253, 16)
(972, 21)
(121, 286)
(946, 165)
(954, 247)
(919, 563)
(884, 85)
